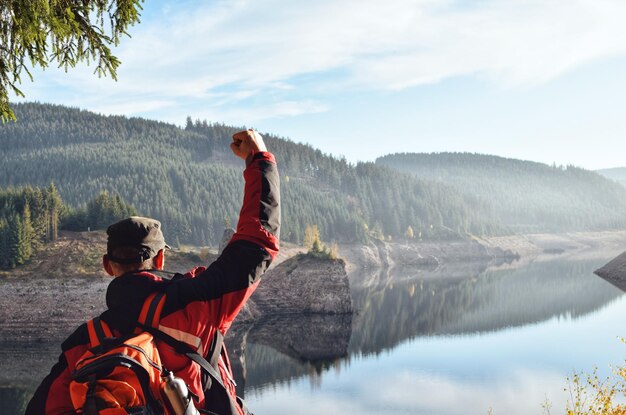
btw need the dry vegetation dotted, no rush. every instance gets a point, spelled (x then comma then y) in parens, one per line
(589, 394)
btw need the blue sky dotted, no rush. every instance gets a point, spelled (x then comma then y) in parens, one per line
(533, 79)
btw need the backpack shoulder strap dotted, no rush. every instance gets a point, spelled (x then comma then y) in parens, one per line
(216, 348)
(150, 314)
(213, 374)
(149, 321)
(186, 350)
(99, 332)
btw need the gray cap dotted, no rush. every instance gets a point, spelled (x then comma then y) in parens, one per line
(135, 239)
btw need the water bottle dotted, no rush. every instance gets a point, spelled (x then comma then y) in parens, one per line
(177, 395)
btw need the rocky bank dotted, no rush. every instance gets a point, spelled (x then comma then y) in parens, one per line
(615, 272)
(302, 285)
(494, 250)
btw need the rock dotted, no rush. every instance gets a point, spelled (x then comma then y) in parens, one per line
(382, 254)
(615, 272)
(304, 284)
(301, 309)
(310, 338)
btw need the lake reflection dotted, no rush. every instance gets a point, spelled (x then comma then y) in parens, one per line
(455, 340)
(459, 339)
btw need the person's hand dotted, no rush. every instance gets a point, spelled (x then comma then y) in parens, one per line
(246, 143)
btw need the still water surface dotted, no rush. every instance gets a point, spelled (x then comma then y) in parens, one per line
(458, 339)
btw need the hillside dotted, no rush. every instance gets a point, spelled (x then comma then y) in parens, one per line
(187, 178)
(524, 196)
(617, 173)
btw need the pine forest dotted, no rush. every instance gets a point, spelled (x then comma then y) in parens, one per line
(187, 178)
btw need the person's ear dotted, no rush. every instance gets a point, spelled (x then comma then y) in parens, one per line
(159, 260)
(106, 264)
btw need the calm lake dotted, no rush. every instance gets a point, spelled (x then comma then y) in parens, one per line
(452, 340)
(456, 340)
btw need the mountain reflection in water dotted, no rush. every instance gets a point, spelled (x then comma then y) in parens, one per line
(391, 307)
(394, 306)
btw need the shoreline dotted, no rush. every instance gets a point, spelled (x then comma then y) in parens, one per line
(51, 305)
(497, 250)
(78, 254)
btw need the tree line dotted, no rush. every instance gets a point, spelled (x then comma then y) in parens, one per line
(523, 196)
(29, 217)
(187, 178)
(32, 216)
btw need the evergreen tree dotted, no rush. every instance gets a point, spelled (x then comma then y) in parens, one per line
(15, 242)
(37, 32)
(4, 243)
(102, 211)
(27, 236)
(54, 206)
(188, 179)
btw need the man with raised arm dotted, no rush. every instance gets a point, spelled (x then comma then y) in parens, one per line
(197, 308)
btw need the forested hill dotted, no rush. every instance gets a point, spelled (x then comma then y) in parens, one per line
(525, 196)
(618, 174)
(187, 178)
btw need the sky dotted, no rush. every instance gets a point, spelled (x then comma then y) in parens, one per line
(539, 80)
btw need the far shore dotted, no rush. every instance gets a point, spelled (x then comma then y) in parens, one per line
(513, 249)
(78, 254)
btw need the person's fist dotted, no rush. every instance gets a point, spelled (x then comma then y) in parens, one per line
(246, 143)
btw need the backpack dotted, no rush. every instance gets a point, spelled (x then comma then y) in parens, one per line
(119, 375)
(124, 375)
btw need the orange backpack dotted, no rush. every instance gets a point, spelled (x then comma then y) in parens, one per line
(121, 375)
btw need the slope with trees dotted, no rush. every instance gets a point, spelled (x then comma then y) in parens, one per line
(32, 216)
(187, 178)
(28, 218)
(524, 196)
(617, 173)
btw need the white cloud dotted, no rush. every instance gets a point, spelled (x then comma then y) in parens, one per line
(382, 44)
(226, 52)
(258, 113)
(518, 393)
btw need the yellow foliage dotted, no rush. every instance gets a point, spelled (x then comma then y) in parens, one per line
(409, 233)
(591, 395)
(333, 253)
(311, 236)
(204, 253)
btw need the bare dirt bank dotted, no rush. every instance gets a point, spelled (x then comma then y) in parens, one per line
(503, 249)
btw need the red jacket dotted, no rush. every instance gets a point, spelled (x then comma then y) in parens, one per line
(207, 299)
